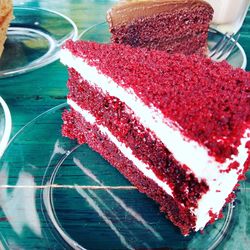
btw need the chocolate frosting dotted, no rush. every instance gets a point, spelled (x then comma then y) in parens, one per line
(126, 11)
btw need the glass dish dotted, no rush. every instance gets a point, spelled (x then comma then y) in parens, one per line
(57, 194)
(228, 14)
(5, 125)
(34, 39)
(100, 33)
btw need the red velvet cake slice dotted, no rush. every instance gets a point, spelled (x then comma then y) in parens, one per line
(176, 126)
(175, 26)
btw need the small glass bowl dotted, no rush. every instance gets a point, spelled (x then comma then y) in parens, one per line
(34, 39)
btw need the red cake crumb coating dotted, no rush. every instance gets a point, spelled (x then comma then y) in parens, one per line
(215, 217)
(113, 114)
(179, 215)
(175, 27)
(215, 96)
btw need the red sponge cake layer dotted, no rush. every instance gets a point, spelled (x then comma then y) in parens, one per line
(163, 120)
(179, 215)
(118, 118)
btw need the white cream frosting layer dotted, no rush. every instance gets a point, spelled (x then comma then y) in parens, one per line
(185, 151)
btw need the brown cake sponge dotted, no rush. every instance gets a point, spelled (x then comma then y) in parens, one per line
(175, 26)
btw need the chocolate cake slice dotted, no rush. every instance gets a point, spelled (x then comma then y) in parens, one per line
(175, 26)
(177, 127)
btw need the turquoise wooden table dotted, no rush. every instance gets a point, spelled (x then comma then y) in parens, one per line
(45, 202)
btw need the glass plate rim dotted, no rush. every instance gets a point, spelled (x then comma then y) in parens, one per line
(47, 59)
(7, 127)
(68, 240)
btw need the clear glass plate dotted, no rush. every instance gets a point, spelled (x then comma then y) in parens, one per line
(5, 125)
(100, 33)
(56, 194)
(34, 39)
